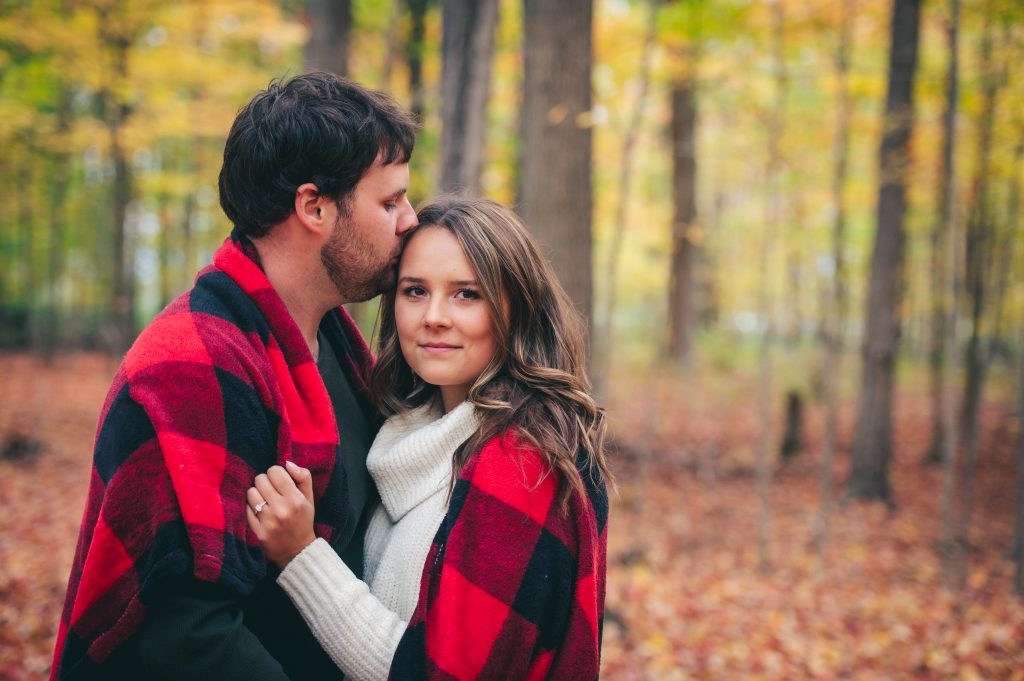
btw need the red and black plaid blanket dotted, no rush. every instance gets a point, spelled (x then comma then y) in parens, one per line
(219, 387)
(512, 588)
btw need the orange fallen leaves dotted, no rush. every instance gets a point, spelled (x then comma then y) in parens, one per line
(685, 597)
(41, 499)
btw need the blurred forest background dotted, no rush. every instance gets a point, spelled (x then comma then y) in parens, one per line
(793, 225)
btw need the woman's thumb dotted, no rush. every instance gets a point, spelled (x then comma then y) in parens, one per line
(303, 479)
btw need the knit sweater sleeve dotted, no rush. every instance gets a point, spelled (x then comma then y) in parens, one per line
(358, 631)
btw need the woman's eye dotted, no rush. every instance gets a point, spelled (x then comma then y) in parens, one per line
(467, 294)
(413, 291)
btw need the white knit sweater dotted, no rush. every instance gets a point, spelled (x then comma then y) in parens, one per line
(360, 626)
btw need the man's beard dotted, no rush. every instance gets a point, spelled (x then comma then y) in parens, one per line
(352, 267)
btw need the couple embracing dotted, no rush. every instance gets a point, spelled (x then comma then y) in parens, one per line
(268, 501)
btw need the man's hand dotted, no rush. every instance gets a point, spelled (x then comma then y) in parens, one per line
(280, 512)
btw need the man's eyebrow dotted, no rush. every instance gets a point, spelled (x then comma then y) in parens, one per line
(399, 194)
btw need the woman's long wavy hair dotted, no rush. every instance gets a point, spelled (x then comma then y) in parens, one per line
(536, 384)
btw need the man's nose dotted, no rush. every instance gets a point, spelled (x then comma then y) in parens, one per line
(407, 220)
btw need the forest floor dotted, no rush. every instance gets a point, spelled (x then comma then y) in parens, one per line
(686, 598)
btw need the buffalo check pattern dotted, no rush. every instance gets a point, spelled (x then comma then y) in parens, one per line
(219, 387)
(513, 587)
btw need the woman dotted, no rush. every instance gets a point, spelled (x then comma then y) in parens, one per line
(486, 558)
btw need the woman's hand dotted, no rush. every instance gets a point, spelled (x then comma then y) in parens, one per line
(280, 512)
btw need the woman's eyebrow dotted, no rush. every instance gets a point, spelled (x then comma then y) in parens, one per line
(454, 282)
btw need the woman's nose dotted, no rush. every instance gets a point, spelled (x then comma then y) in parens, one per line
(437, 312)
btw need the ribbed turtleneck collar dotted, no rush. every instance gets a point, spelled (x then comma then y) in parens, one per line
(411, 458)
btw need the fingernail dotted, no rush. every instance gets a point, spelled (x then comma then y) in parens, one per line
(291, 465)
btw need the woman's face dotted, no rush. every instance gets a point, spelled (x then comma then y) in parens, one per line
(445, 326)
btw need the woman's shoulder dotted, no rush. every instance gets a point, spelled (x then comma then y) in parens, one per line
(511, 454)
(510, 469)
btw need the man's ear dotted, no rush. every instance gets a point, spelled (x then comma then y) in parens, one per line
(309, 204)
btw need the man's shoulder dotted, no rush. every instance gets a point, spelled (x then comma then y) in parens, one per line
(215, 323)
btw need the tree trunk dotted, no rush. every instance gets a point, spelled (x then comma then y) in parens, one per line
(26, 222)
(872, 444)
(940, 301)
(330, 23)
(1018, 529)
(61, 179)
(124, 270)
(1013, 212)
(765, 373)
(682, 317)
(779, 211)
(554, 182)
(603, 344)
(793, 438)
(8, 238)
(414, 53)
(835, 307)
(467, 50)
(979, 264)
(116, 41)
(394, 45)
(946, 302)
(188, 211)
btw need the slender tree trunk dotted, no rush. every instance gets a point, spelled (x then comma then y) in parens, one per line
(628, 160)
(708, 303)
(467, 51)
(124, 271)
(682, 317)
(872, 444)
(164, 285)
(836, 304)
(773, 216)
(555, 183)
(946, 302)
(193, 162)
(1013, 213)
(330, 23)
(187, 241)
(1002, 250)
(414, 49)
(8, 239)
(788, 321)
(60, 174)
(946, 188)
(979, 263)
(686, 240)
(117, 42)
(766, 439)
(394, 44)
(1018, 529)
(26, 222)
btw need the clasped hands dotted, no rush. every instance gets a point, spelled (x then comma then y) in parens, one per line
(280, 512)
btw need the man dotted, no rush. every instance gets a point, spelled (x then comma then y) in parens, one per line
(256, 365)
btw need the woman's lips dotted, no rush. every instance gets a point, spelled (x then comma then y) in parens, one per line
(438, 348)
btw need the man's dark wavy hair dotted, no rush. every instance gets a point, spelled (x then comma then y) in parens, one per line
(318, 128)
